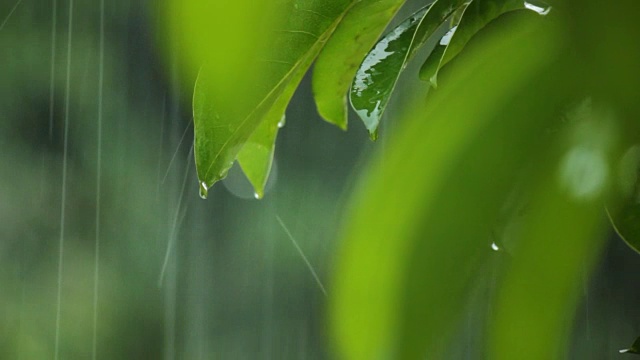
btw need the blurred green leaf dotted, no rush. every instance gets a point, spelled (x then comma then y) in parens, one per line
(339, 60)
(474, 17)
(226, 117)
(561, 235)
(421, 221)
(634, 349)
(378, 74)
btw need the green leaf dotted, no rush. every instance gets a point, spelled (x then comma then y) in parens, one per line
(339, 60)
(475, 17)
(378, 74)
(421, 221)
(634, 349)
(256, 156)
(221, 130)
(226, 114)
(626, 221)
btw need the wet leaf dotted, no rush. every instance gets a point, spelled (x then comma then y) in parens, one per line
(256, 156)
(219, 135)
(475, 17)
(339, 60)
(634, 349)
(227, 113)
(421, 221)
(378, 74)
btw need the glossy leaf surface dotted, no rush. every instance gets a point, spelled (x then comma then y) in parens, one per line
(378, 74)
(476, 16)
(421, 220)
(339, 60)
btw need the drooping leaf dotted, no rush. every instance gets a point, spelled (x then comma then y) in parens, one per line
(634, 349)
(219, 132)
(256, 156)
(339, 60)
(226, 117)
(422, 217)
(378, 74)
(475, 17)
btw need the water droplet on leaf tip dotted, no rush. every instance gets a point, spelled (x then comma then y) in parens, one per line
(204, 190)
(257, 195)
(282, 121)
(495, 247)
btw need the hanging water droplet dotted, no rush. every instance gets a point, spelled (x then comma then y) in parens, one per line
(495, 246)
(257, 195)
(282, 122)
(204, 190)
(537, 6)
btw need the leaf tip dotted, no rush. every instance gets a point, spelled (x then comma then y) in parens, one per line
(434, 81)
(335, 117)
(373, 134)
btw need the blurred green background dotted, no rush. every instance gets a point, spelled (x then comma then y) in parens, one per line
(234, 284)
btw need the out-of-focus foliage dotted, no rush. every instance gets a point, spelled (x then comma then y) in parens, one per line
(412, 250)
